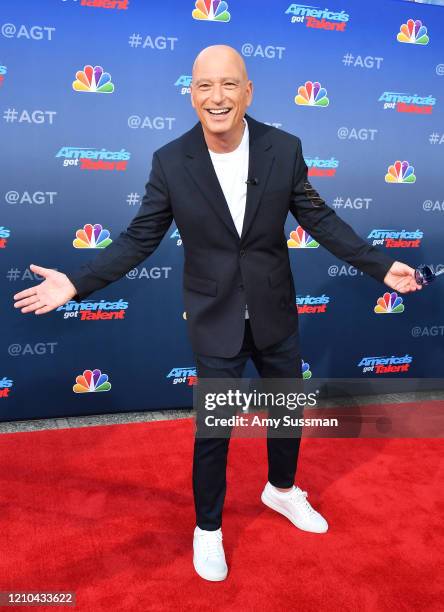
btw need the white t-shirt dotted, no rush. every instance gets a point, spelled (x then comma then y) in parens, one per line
(232, 172)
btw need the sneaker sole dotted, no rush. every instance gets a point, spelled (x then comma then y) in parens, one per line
(266, 500)
(205, 577)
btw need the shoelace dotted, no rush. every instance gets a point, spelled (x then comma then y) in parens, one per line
(301, 498)
(213, 544)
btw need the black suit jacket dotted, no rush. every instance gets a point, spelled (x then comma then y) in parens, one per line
(222, 271)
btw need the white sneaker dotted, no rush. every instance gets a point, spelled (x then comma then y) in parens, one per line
(209, 557)
(295, 507)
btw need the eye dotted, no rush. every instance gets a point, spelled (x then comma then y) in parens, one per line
(204, 86)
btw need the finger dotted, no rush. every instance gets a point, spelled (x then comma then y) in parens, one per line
(411, 286)
(26, 301)
(32, 307)
(409, 270)
(405, 269)
(44, 310)
(399, 285)
(415, 284)
(39, 270)
(26, 293)
(403, 286)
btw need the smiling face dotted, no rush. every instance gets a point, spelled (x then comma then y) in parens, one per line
(220, 92)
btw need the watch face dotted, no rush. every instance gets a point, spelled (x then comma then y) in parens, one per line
(419, 278)
(424, 275)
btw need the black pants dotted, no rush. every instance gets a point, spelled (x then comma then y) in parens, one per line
(282, 360)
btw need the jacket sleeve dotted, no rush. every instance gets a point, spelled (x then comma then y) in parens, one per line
(327, 228)
(132, 246)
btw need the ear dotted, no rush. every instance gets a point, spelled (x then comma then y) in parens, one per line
(249, 92)
(192, 97)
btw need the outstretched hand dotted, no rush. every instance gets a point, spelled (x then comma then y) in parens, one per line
(401, 278)
(53, 292)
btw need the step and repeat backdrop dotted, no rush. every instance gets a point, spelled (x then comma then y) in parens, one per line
(89, 89)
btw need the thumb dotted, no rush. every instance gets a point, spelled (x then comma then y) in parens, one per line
(405, 269)
(410, 271)
(39, 270)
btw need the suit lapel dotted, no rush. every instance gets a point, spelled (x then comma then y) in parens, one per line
(199, 165)
(260, 163)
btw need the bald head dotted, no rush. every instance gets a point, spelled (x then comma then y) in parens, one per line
(220, 94)
(219, 55)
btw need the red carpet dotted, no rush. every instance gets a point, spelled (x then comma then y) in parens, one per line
(107, 512)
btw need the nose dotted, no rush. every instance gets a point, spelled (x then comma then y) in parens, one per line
(217, 94)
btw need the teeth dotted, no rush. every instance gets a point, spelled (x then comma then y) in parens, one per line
(218, 111)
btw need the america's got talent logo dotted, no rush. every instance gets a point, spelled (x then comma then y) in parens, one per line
(87, 310)
(94, 159)
(184, 82)
(5, 233)
(385, 365)
(393, 239)
(176, 236)
(312, 304)
(6, 385)
(183, 375)
(321, 167)
(407, 103)
(315, 17)
(120, 5)
(3, 71)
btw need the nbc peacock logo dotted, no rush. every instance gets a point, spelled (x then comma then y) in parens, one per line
(413, 32)
(400, 172)
(91, 381)
(300, 239)
(93, 80)
(312, 94)
(92, 237)
(306, 372)
(211, 10)
(389, 303)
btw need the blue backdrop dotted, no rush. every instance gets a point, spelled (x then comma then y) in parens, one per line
(76, 150)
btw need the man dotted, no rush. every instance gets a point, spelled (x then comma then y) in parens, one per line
(229, 183)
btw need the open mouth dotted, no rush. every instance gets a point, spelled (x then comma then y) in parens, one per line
(217, 112)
